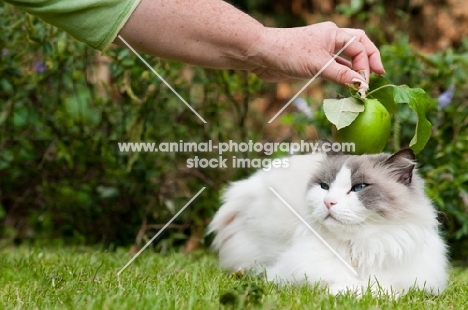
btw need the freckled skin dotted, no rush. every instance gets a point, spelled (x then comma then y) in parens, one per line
(214, 34)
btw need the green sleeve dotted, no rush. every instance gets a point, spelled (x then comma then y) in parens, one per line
(95, 22)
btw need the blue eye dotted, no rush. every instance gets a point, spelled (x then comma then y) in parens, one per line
(359, 187)
(324, 186)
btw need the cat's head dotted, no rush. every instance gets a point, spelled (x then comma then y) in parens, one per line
(349, 192)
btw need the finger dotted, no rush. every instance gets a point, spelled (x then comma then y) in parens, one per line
(375, 63)
(344, 62)
(340, 74)
(373, 53)
(355, 50)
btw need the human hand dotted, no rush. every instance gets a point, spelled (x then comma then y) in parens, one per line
(282, 53)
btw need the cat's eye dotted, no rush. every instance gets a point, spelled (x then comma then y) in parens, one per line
(359, 187)
(324, 186)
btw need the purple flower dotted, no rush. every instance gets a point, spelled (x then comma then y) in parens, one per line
(301, 105)
(5, 52)
(39, 66)
(446, 97)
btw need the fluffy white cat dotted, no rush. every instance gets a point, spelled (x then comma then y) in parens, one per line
(371, 209)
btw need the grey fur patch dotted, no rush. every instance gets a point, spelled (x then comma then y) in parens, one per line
(329, 169)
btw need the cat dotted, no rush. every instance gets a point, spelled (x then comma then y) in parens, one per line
(370, 209)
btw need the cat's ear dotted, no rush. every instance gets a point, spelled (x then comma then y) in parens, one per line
(402, 163)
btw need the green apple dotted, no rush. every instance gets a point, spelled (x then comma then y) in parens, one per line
(369, 131)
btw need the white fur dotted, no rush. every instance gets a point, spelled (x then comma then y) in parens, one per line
(256, 231)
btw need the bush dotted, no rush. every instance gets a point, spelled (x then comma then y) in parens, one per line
(62, 173)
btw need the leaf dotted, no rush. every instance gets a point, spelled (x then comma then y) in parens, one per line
(400, 94)
(287, 119)
(385, 95)
(419, 101)
(107, 191)
(342, 112)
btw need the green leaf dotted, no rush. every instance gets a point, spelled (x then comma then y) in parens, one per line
(287, 119)
(342, 112)
(47, 48)
(419, 101)
(385, 94)
(107, 191)
(400, 94)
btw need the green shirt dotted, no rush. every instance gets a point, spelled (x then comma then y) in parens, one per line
(95, 22)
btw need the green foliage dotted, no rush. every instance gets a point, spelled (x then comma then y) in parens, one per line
(62, 174)
(418, 100)
(342, 112)
(386, 95)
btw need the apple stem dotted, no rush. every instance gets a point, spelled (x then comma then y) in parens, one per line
(379, 88)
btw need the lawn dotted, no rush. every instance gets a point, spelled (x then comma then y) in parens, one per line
(86, 278)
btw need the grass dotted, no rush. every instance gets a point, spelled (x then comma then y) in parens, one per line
(86, 278)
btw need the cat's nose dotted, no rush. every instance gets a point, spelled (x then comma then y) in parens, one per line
(329, 202)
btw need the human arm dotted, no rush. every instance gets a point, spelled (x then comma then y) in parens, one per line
(214, 34)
